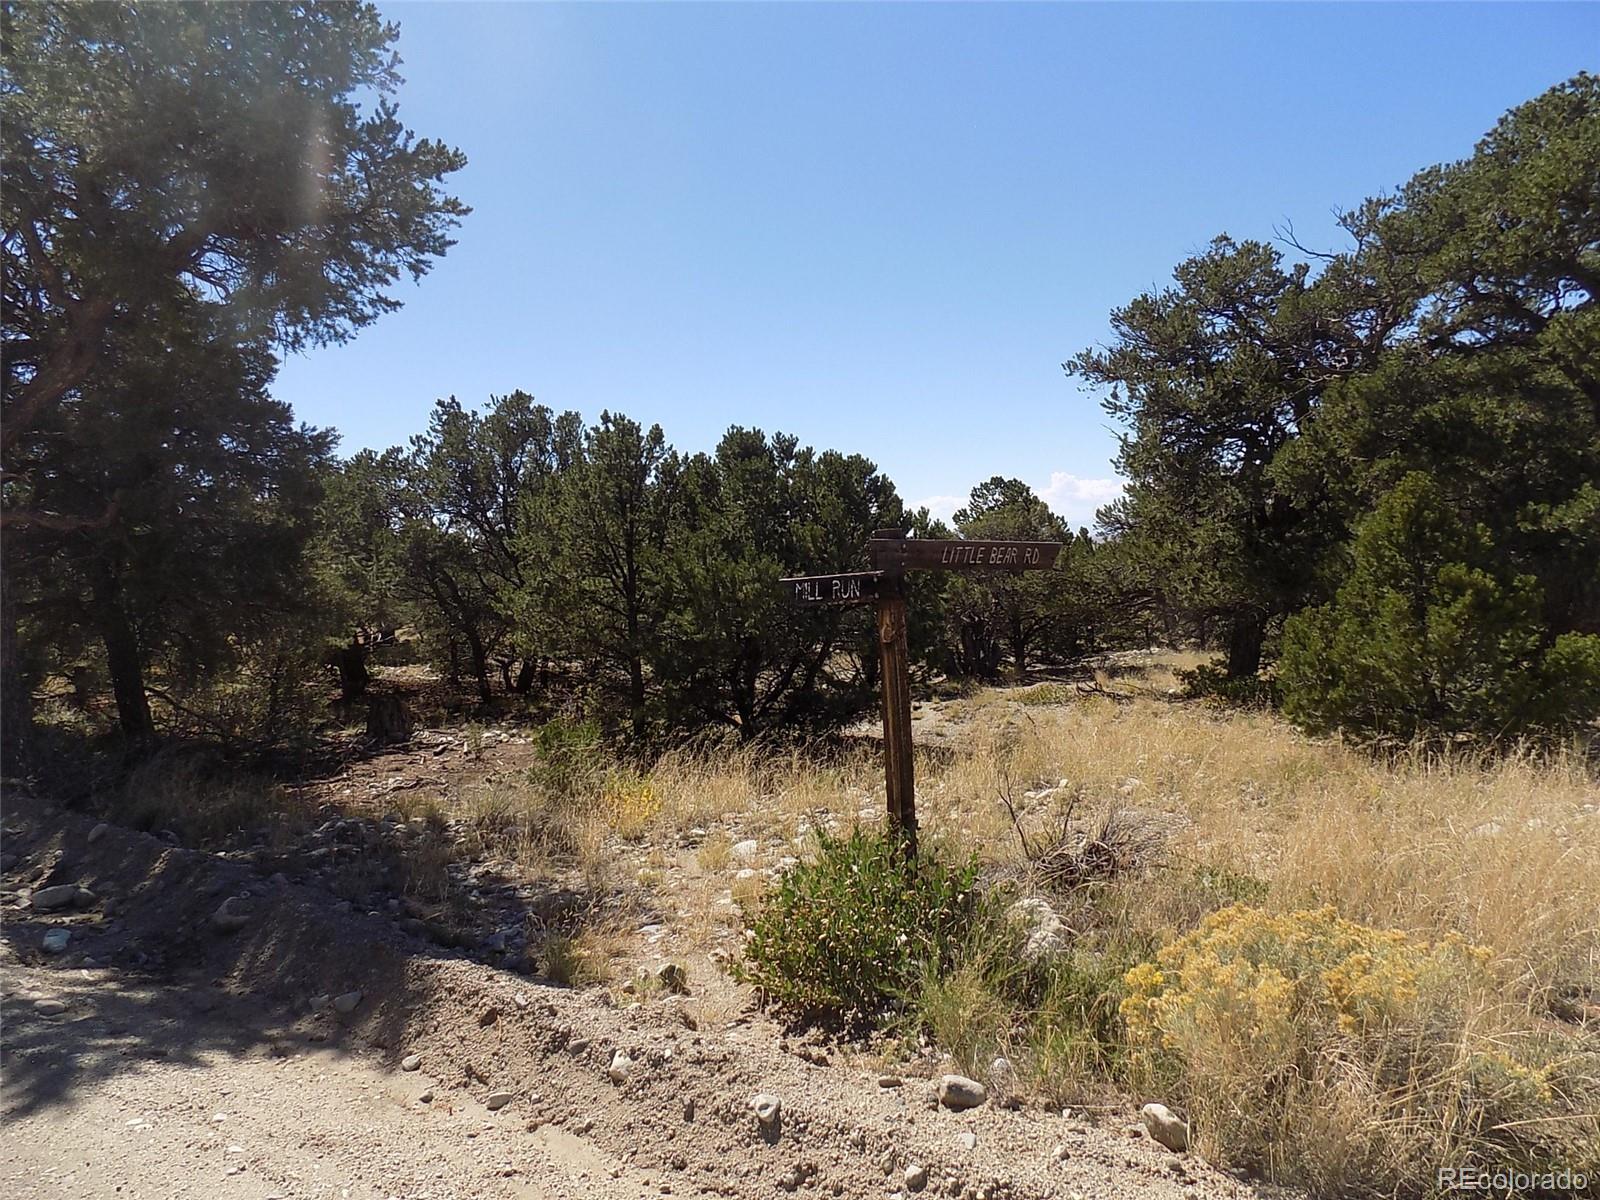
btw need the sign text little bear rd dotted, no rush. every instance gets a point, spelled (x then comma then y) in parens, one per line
(893, 554)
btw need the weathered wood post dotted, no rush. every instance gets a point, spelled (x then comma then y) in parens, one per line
(892, 555)
(894, 651)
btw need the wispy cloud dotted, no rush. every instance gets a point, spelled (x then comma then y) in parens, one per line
(1074, 497)
(943, 507)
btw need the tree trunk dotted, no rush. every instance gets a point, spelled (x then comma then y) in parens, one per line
(636, 692)
(16, 694)
(524, 681)
(480, 665)
(1249, 630)
(123, 660)
(353, 677)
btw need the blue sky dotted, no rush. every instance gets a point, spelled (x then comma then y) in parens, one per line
(883, 227)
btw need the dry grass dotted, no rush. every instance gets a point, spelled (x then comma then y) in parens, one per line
(578, 959)
(1502, 852)
(205, 801)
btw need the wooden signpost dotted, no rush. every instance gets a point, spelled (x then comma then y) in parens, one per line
(853, 587)
(892, 555)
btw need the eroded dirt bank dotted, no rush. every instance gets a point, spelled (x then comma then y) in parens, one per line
(167, 1052)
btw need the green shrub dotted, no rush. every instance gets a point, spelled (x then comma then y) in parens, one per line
(1206, 682)
(973, 1005)
(569, 756)
(851, 934)
(1223, 887)
(1427, 637)
(967, 1013)
(1074, 1034)
(1041, 695)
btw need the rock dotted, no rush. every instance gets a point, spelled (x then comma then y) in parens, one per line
(49, 1008)
(916, 1177)
(890, 1081)
(673, 978)
(411, 1062)
(621, 1067)
(55, 942)
(957, 1091)
(746, 850)
(345, 1003)
(1165, 1127)
(426, 1097)
(98, 832)
(968, 1140)
(227, 918)
(48, 899)
(1003, 1082)
(767, 1107)
(1047, 935)
(495, 943)
(497, 1100)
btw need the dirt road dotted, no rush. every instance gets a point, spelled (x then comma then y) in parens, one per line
(133, 1094)
(167, 1052)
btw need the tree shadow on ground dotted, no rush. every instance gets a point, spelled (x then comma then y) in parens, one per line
(159, 977)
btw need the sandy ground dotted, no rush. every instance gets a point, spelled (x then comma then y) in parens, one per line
(189, 1060)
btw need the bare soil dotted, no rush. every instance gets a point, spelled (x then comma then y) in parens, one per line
(185, 1060)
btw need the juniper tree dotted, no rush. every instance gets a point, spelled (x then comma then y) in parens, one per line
(183, 176)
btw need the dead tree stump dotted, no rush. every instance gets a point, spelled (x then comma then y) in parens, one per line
(387, 719)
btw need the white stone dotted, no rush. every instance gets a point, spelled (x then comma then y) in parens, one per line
(621, 1067)
(48, 899)
(957, 1091)
(1165, 1126)
(1046, 933)
(346, 1002)
(227, 919)
(767, 1108)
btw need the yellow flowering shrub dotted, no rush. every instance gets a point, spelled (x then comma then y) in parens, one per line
(1341, 1057)
(631, 806)
(1249, 975)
